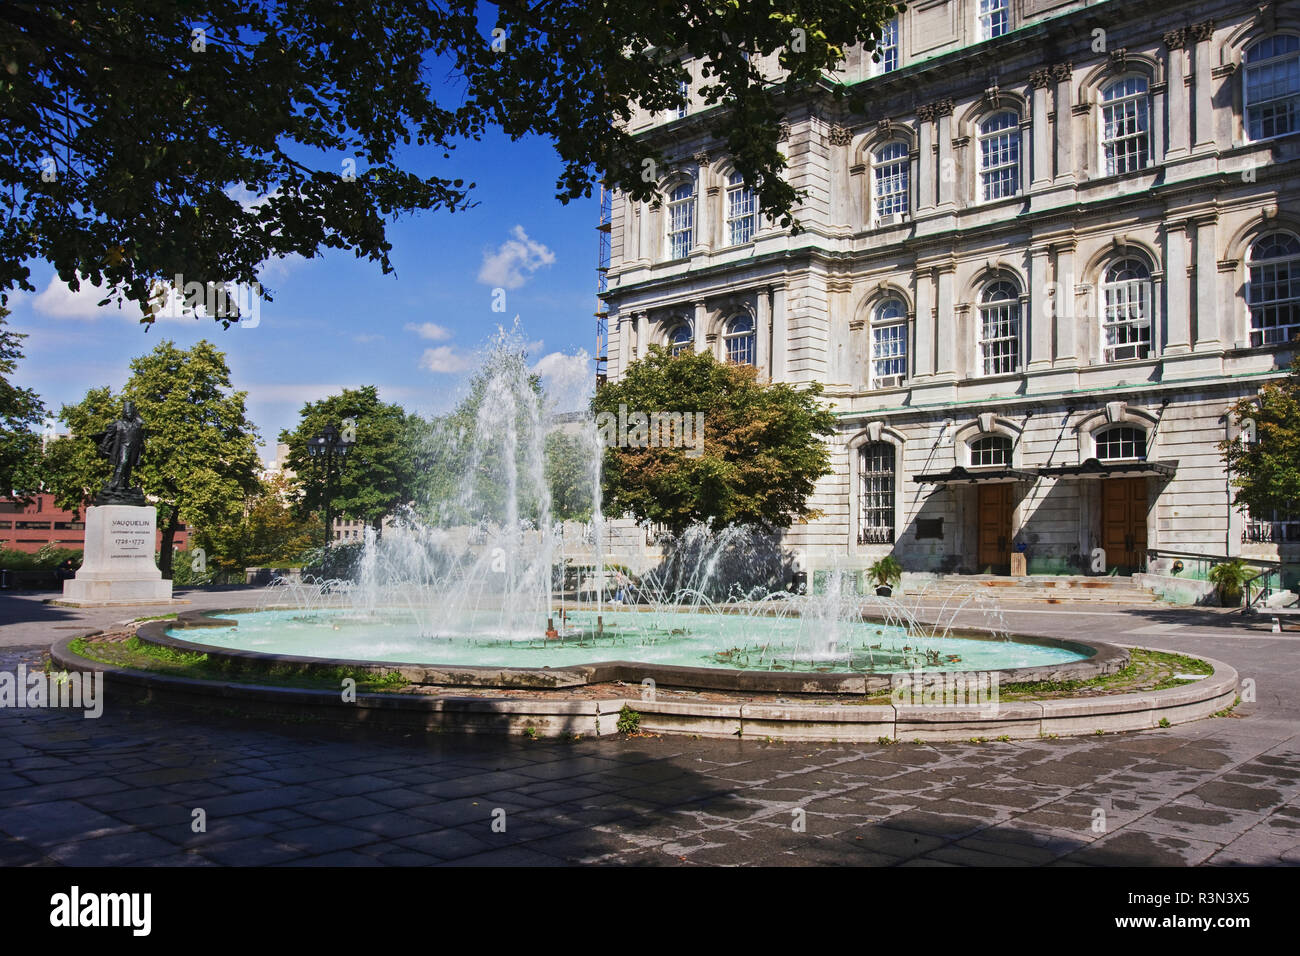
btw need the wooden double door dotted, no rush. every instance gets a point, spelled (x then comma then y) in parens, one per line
(1124, 523)
(994, 523)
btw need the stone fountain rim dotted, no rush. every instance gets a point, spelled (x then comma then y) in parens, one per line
(1104, 658)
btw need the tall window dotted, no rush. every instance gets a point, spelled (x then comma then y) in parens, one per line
(1000, 328)
(1126, 322)
(681, 221)
(876, 493)
(888, 344)
(684, 88)
(890, 180)
(1125, 125)
(991, 451)
(888, 47)
(1273, 289)
(1274, 527)
(739, 338)
(741, 210)
(681, 340)
(1121, 443)
(995, 18)
(999, 139)
(1273, 87)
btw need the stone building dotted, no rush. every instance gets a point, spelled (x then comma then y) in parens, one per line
(1032, 278)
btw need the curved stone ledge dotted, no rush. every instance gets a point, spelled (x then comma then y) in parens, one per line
(1104, 659)
(812, 720)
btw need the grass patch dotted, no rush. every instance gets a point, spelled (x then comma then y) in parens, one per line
(1146, 670)
(139, 655)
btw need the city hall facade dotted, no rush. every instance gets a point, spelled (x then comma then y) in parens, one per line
(1033, 277)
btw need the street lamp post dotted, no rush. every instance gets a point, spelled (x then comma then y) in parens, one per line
(331, 447)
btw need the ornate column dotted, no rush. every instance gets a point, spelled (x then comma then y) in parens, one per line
(945, 341)
(1066, 322)
(1040, 324)
(925, 192)
(924, 357)
(1178, 317)
(645, 250)
(699, 328)
(945, 164)
(763, 333)
(1041, 158)
(705, 195)
(1203, 105)
(1176, 98)
(1207, 284)
(1063, 74)
(780, 334)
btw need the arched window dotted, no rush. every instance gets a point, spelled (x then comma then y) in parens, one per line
(889, 178)
(1272, 87)
(1125, 125)
(995, 18)
(1126, 321)
(991, 451)
(876, 493)
(1000, 328)
(1121, 443)
(888, 47)
(681, 221)
(999, 145)
(1273, 289)
(888, 344)
(741, 210)
(739, 338)
(681, 340)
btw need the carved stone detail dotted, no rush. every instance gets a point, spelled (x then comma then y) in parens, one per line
(701, 158)
(1040, 79)
(1203, 30)
(839, 136)
(1176, 39)
(1119, 59)
(1062, 71)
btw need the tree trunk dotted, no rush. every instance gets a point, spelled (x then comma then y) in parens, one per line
(168, 536)
(379, 528)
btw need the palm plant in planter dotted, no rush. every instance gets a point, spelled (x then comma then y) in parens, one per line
(1229, 578)
(887, 573)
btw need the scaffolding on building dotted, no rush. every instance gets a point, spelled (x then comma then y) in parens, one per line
(603, 229)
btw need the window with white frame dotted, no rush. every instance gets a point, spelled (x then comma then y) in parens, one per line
(681, 221)
(991, 451)
(1272, 87)
(995, 18)
(1121, 443)
(1126, 319)
(888, 47)
(740, 339)
(1273, 289)
(741, 210)
(1125, 125)
(1000, 328)
(876, 482)
(680, 339)
(888, 343)
(999, 152)
(684, 89)
(890, 179)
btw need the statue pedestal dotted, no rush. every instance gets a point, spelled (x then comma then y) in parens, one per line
(118, 566)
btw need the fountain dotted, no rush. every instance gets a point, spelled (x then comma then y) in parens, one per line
(467, 578)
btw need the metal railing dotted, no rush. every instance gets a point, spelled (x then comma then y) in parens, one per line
(1270, 571)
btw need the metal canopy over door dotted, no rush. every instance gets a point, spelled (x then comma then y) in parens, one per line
(1124, 523)
(994, 511)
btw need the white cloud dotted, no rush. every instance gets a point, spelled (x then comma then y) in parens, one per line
(568, 379)
(514, 261)
(58, 301)
(445, 360)
(429, 330)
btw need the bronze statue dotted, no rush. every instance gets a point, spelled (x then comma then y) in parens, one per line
(121, 443)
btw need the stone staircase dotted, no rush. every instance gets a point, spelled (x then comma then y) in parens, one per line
(1033, 589)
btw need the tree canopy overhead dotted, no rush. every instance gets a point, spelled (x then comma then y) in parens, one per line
(138, 134)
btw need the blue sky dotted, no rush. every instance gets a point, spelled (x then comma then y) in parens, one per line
(340, 322)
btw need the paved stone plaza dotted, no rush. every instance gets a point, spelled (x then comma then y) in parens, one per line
(123, 789)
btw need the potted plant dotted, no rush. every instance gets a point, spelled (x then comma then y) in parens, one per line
(887, 573)
(1229, 579)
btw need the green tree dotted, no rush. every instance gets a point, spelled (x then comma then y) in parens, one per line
(71, 468)
(134, 129)
(200, 456)
(569, 476)
(21, 412)
(268, 533)
(379, 474)
(761, 455)
(1266, 470)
